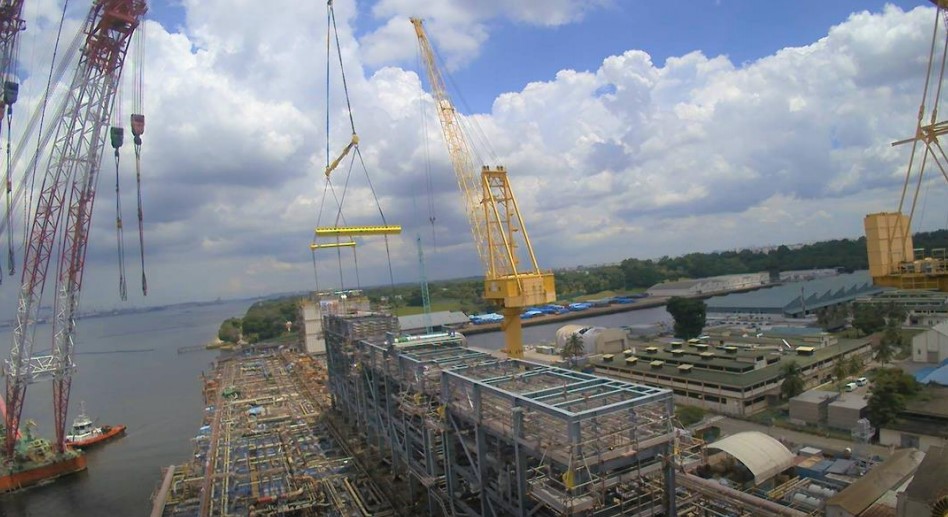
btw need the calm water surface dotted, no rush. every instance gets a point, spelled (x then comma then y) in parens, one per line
(156, 393)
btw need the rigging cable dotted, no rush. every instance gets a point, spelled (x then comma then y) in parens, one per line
(11, 259)
(138, 129)
(117, 135)
(428, 186)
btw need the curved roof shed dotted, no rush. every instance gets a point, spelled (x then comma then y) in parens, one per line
(764, 456)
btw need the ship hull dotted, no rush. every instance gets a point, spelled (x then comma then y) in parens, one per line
(62, 466)
(98, 439)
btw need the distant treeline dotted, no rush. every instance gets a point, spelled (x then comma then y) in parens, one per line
(267, 319)
(637, 274)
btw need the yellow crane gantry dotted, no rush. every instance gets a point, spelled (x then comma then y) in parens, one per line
(499, 233)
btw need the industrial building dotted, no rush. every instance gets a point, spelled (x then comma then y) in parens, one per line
(487, 436)
(811, 407)
(795, 300)
(735, 379)
(878, 488)
(710, 285)
(923, 308)
(922, 424)
(927, 494)
(931, 346)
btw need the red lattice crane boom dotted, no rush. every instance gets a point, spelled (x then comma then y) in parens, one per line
(68, 186)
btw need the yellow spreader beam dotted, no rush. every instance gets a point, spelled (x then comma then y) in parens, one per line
(315, 246)
(344, 231)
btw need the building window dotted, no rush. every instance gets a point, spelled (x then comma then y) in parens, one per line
(909, 440)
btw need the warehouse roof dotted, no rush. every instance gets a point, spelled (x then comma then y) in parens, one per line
(764, 456)
(726, 378)
(860, 495)
(795, 296)
(929, 489)
(815, 396)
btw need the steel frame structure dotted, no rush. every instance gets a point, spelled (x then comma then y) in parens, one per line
(481, 435)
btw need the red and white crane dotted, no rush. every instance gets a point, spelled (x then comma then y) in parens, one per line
(68, 187)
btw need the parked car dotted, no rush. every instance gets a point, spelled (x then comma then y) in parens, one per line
(862, 381)
(850, 386)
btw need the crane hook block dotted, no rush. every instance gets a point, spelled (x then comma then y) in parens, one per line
(138, 127)
(118, 136)
(10, 92)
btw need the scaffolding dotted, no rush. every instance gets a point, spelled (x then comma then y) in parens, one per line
(480, 435)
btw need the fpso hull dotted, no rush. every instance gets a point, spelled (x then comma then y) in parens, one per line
(72, 462)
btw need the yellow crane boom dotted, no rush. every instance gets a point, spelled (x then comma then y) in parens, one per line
(499, 233)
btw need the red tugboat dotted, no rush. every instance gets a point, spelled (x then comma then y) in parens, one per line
(85, 434)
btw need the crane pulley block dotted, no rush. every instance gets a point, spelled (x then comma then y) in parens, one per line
(117, 136)
(11, 90)
(138, 127)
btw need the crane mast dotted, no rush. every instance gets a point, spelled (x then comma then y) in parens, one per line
(69, 185)
(499, 233)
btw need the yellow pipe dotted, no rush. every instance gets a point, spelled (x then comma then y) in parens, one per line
(336, 231)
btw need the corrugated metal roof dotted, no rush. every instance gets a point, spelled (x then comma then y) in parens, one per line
(866, 490)
(764, 456)
(793, 296)
(930, 488)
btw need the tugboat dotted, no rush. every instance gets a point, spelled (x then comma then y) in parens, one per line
(85, 434)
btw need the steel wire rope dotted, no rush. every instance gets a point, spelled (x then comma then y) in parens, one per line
(5, 224)
(138, 106)
(424, 136)
(42, 140)
(117, 136)
(469, 124)
(340, 202)
(932, 120)
(921, 114)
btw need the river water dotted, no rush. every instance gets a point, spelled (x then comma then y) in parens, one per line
(156, 392)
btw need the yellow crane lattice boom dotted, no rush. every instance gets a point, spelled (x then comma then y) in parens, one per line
(499, 233)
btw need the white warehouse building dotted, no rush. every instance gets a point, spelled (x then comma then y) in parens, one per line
(931, 346)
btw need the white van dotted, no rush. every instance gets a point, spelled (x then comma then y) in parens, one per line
(862, 381)
(850, 386)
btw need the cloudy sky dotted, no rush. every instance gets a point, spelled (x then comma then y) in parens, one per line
(629, 129)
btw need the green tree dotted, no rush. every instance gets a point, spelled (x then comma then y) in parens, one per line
(891, 388)
(572, 349)
(889, 344)
(230, 330)
(792, 384)
(868, 318)
(688, 415)
(854, 365)
(840, 371)
(690, 315)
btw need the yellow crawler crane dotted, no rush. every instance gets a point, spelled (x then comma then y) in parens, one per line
(499, 233)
